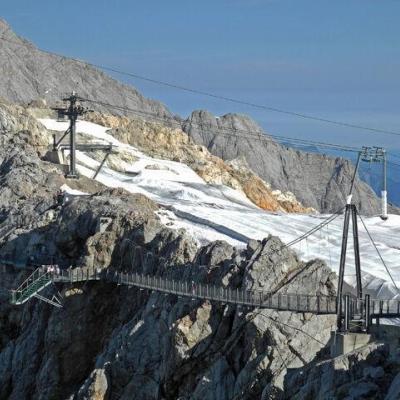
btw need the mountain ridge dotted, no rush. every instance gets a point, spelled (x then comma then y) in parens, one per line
(316, 180)
(31, 74)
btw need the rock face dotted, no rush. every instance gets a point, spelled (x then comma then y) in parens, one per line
(366, 373)
(29, 74)
(317, 181)
(116, 342)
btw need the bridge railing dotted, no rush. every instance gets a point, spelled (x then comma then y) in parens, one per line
(40, 277)
(382, 307)
(254, 298)
(353, 309)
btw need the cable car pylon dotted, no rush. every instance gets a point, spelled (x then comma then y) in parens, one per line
(376, 155)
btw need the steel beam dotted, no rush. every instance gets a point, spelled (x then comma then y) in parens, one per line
(342, 264)
(356, 251)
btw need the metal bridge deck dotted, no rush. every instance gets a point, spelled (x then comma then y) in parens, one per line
(365, 310)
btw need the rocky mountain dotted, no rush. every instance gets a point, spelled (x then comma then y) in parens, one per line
(29, 74)
(317, 180)
(113, 342)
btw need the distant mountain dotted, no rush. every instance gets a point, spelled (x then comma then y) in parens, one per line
(317, 180)
(28, 74)
(372, 174)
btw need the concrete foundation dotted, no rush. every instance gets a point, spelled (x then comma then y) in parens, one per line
(342, 343)
(389, 334)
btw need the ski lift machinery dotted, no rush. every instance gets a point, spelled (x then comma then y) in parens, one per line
(378, 155)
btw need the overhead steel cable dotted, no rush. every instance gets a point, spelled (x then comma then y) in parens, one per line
(246, 134)
(215, 96)
(255, 105)
(393, 163)
(378, 252)
(314, 229)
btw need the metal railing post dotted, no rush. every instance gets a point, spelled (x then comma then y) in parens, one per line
(346, 312)
(367, 310)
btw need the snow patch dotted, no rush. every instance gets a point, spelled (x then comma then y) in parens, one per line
(66, 188)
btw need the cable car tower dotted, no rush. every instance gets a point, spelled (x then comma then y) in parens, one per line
(73, 111)
(377, 155)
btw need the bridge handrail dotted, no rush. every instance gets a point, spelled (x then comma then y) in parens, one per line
(36, 274)
(281, 301)
(297, 302)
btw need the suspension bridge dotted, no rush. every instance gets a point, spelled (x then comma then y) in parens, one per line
(357, 312)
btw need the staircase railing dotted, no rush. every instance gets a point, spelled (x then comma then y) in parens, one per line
(35, 282)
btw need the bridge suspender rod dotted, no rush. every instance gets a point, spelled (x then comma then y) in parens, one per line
(367, 312)
(356, 251)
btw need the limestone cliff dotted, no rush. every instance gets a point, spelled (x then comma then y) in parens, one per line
(317, 180)
(29, 74)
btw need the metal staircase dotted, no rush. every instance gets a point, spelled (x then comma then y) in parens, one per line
(31, 287)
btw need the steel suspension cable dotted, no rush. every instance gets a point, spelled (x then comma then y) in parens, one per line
(379, 253)
(314, 229)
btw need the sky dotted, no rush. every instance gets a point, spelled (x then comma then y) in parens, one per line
(332, 59)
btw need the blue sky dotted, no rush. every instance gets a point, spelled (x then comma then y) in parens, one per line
(335, 59)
